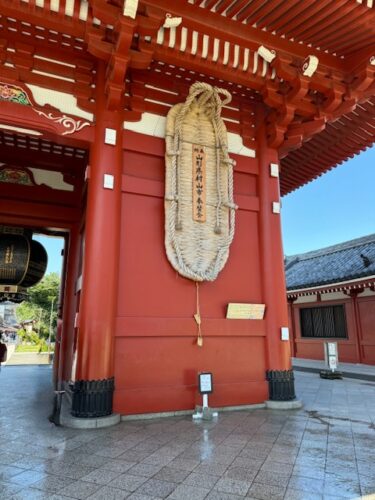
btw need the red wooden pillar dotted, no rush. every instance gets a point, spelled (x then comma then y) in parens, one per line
(279, 373)
(357, 320)
(94, 384)
(292, 327)
(70, 274)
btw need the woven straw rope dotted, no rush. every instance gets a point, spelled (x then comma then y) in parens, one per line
(198, 250)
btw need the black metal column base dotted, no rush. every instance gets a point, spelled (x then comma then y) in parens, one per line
(281, 385)
(92, 398)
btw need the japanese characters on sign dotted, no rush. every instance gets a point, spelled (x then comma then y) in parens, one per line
(245, 311)
(199, 184)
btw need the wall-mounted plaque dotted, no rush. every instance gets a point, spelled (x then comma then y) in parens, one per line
(245, 311)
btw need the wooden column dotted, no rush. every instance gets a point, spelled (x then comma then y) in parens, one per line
(357, 320)
(279, 373)
(70, 274)
(292, 327)
(94, 384)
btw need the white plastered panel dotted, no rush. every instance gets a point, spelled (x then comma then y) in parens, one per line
(66, 103)
(54, 180)
(154, 125)
(306, 299)
(333, 296)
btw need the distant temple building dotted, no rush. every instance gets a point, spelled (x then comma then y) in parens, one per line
(331, 295)
(157, 138)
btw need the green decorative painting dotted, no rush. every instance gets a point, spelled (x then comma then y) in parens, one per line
(11, 93)
(15, 176)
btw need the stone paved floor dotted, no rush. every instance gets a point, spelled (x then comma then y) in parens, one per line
(325, 450)
(354, 370)
(27, 358)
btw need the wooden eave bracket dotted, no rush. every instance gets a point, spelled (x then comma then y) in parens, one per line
(277, 123)
(149, 25)
(122, 55)
(339, 99)
(285, 106)
(96, 44)
(334, 98)
(106, 12)
(364, 79)
(300, 87)
(217, 26)
(283, 69)
(297, 134)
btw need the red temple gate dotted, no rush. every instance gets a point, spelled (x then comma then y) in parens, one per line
(84, 90)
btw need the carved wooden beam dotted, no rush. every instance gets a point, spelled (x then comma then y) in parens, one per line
(31, 14)
(217, 26)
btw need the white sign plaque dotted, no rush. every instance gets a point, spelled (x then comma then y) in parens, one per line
(274, 170)
(108, 181)
(110, 136)
(332, 361)
(205, 383)
(276, 207)
(331, 355)
(332, 348)
(284, 333)
(245, 311)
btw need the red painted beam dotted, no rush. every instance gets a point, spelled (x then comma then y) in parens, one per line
(42, 17)
(43, 214)
(26, 117)
(41, 159)
(223, 28)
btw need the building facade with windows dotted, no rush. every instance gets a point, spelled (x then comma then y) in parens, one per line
(331, 296)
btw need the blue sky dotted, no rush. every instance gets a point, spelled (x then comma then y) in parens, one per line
(53, 247)
(336, 207)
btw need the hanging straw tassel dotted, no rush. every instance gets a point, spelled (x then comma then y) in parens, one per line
(197, 317)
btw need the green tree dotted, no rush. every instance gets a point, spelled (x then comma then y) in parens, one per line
(41, 302)
(46, 290)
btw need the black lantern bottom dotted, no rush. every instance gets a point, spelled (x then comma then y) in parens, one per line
(92, 398)
(281, 385)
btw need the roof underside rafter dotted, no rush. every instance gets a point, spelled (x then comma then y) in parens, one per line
(56, 43)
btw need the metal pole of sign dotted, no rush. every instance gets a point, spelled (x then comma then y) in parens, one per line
(205, 400)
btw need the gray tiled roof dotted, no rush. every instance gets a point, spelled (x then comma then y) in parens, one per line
(345, 261)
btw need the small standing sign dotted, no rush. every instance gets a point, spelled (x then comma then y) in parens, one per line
(205, 387)
(205, 383)
(331, 355)
(331, 359)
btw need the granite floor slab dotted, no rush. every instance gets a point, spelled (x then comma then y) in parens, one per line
(322, 451)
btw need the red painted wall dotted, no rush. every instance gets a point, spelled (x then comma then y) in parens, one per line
(357, 348)
(366, 306)
(156, 356)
